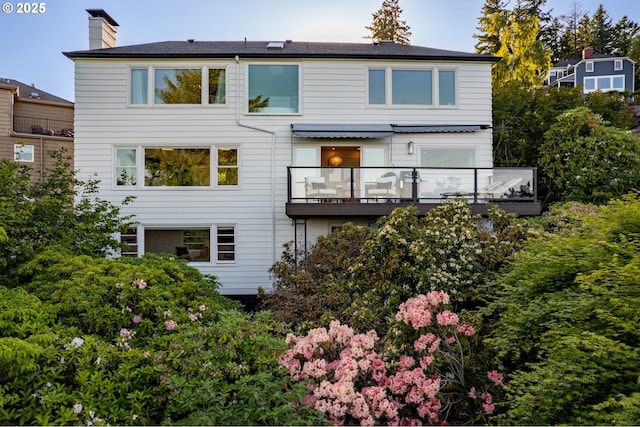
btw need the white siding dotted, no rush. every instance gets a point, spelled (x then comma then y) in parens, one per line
(333, 91)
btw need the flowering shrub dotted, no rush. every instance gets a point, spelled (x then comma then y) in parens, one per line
(416, 375)
(142, 342)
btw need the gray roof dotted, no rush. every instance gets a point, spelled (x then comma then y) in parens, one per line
(289, 49)
(26, 91)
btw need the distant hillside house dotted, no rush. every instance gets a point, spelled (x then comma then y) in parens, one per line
(33, 124)
(234, 148)
(594, 72)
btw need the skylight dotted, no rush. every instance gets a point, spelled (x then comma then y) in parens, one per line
(275, 45)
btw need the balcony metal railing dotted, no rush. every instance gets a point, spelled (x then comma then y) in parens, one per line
(43, 126)
(418, 185)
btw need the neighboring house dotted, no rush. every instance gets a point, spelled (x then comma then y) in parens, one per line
(594, 72)
(233, 149)
(33, 124)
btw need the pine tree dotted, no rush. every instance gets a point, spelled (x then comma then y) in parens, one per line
(386, 24)
(494, 17)
(601, 31)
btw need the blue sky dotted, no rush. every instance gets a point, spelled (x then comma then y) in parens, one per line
(32, 44)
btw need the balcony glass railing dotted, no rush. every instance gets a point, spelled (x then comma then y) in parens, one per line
(421, 185)
(43, 126)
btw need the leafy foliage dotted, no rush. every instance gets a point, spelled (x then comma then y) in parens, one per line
(137, 342)
(588, 161)
(567, 321)
(37, 212)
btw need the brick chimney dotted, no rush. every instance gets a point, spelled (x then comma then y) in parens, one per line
(102, 29)
(587, 52)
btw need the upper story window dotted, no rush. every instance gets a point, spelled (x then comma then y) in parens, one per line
(273, 89)
(589, 66)
(420, 87)
(617, 65)
(23, 153)
(192, 86)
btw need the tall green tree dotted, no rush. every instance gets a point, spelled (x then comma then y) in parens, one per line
(524, 58)
(601, 31)
(493, 18)
(387, 25)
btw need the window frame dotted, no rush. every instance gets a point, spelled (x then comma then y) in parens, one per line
(140, 167)
(150, 90)
(19, 149)
(217, 165)
(618, 65)
(247, 89)
(435, 87)
(234, 251)
(611, 79)
(589, 67)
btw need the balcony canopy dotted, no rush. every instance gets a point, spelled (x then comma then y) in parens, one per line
(373, 130)
(323, 130)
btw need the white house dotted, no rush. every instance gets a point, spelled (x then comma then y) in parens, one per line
(234, 148)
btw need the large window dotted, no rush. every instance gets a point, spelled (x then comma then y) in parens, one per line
(192, 244)
(178, 86)
(448, 157)
(398, 87)
(604, 83)
(23, 153)
(273, 89)
(411, 87)
(177, 167)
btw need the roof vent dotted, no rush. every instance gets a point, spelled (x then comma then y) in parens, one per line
(275, 45)
(191, 40)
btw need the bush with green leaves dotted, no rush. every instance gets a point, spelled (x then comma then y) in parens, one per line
(567, 329)
(360, 276)
(137, 342)
(54, 208)
(589, 161)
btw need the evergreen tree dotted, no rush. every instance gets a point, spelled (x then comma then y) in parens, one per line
(601, 32)
(494, 17)
(386, 24)
(623, 33)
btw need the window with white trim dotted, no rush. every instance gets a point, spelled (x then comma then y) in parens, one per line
(617, 65)
(419, 87)
(273, 89)
(173, 166)
(193, 86)
(226, 243)
(588, 66)
(190, 243)
(604, 84)
(23, 153)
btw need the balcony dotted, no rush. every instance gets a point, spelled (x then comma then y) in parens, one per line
(369, 192)
(43, 126)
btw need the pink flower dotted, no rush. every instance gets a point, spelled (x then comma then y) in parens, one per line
(467, 330)
(139, 283)
(126, 333)
(447, 318)
(406, 362)
(170, 325)
(496, 377)
(137, 319)
(451, 339)
(488, 408)
(472, 393)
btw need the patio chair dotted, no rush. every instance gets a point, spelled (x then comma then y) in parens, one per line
(386, 188)
(316, 188)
